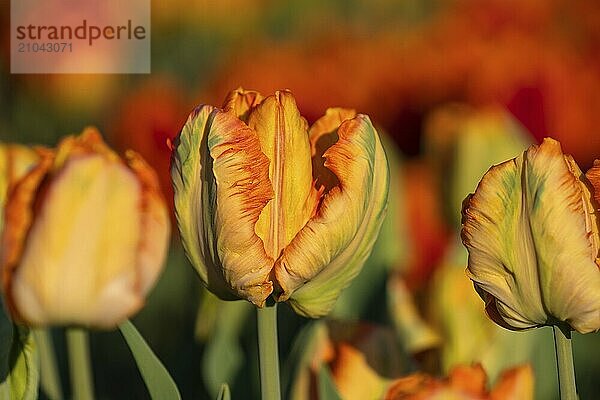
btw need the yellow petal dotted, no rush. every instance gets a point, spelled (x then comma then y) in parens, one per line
(221, 185)
(354, 377)
(330, 250)
(241, 102)
(323, 135)
(527, 229)
(416, 334)
(283, 136)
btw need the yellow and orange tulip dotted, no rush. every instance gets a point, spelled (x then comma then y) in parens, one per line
(266, 206)
(85, 236)
(531, 229)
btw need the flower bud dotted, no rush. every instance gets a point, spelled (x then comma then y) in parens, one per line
(85, 238)
(266, 205)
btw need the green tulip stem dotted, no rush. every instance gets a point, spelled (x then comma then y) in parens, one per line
(268, 352)
(79, 364)
(564, 363)
(49, 377)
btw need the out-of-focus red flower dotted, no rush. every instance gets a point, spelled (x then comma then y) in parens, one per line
(148, 117)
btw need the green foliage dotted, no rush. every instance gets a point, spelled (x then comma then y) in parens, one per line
(19, 366)
(327, 389)
(158, 381)
(224, 356)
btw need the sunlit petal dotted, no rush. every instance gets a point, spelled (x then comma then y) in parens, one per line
(221, 186)
(241, 102)
(341, 234)
(283, 135)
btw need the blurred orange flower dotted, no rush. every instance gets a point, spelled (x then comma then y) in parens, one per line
(362, 359)
(465, 383)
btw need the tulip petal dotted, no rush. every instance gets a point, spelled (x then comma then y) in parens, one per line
(15, 162)
(323, 135)
(529, 248)
(241, 102)
(18, 217)
(562, 225)
(502, 260)
(593, 175)
(221, 186)
(283, 136)
(156, 226)
(330, 250)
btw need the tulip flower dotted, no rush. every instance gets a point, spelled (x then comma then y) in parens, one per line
(532, 237)
(85, 236)
(531, 229)
(266, 206)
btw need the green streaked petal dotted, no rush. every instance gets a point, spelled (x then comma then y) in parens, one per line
(283, 135)
(221, 186)
(562, 224)
(187, 179)
(502, 259)
(330, 250)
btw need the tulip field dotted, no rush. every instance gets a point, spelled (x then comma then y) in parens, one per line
(300, 200)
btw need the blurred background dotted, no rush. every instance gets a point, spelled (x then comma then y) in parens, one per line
(454, 86)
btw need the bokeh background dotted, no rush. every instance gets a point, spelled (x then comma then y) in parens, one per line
(453, 85)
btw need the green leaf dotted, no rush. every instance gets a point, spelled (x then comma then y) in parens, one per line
(158, 381)
(327, 389)
(224, 393)
(224, 356)
(19, 363)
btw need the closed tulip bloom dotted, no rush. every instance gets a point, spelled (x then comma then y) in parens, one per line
(85, 238)
(266, 205)
(531, 229)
